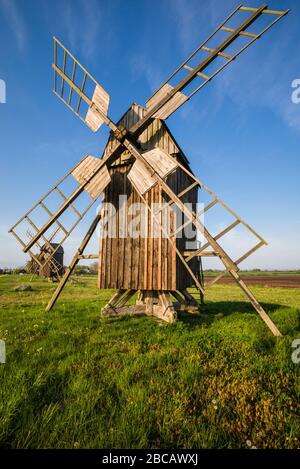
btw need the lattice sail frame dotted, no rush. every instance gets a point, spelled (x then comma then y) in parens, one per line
(89, 179)
(178, 98)
(202, 251)
(96, 98)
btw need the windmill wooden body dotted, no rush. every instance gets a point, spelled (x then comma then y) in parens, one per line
(145, 262)
(143, 162)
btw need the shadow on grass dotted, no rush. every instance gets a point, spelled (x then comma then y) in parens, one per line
(211, 312)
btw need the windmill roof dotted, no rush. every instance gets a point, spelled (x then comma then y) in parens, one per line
(133, 114)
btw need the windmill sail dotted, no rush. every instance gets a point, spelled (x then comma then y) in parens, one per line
(76, 87)
(168, 98)
(89, 176)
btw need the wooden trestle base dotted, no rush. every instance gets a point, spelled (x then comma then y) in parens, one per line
(156, 303)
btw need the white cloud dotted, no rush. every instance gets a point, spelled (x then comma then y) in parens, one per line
(83, 22)
(16, 22)
(194, 19)
(140, 66)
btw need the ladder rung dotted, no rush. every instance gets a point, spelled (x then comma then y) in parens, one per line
(200, 74)
(207, 207)
(65, 198)
(208, 254)
(37, 230)
(202, 254)
(29, 234)
(222, 54)
(218, 236)
(64, 70)
(251, 251)
(46, 208)
(226, 230)
(17, 237)
(189, 188)
(181, 227)
(267, 12)
(51, 215)
(31, 223)
(242, 33)
(238, 261)
(73, 77)
(88, 256)
(81, 89)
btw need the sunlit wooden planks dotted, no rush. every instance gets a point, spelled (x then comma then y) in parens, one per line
(97, 98)
(85, 170)
(167, 109)
(161, 161)
(141, 177)
(100, 100)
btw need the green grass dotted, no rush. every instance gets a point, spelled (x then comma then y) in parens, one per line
(217, 379)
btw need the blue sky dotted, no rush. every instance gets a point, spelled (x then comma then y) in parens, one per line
(241, 133)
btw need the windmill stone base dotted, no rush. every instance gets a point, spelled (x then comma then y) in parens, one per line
(156, 303)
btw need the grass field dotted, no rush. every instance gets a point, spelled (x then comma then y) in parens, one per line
(217, 379)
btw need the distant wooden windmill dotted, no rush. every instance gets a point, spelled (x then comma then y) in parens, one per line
(143, 161)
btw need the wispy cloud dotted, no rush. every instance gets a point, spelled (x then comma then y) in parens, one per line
(187, 31)
(141, 66)
(82, 22)
(194, 20)
(15, 20)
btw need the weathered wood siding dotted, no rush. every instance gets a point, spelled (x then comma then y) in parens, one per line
(143, 263)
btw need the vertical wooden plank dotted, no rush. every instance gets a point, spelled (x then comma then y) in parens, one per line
(108, 238)
(172, 278)
(100, 259)
(116, 240)
(155, 241)
(165, 245)
(135, 250)
(150, 265)
(141, 247)
(159, 263)
(104, 251)
(145, 283)
(122, 228)
(128, 245)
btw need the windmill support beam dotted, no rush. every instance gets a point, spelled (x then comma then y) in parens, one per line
(74, 262)
(256, 305)
(149, 303)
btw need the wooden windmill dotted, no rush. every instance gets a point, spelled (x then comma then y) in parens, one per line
(143, 162)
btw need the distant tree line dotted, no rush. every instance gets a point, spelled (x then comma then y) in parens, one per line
(91, 269)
